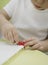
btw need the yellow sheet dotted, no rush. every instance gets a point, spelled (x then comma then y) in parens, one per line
(28, 57)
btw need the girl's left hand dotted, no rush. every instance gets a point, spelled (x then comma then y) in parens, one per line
(35, 44)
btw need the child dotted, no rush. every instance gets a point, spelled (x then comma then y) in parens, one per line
(23, 19)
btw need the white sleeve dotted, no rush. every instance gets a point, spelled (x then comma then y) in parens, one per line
(10, 7)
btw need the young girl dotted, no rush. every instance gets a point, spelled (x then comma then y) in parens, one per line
(26, 19)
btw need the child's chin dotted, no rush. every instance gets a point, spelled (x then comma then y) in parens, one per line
(38, 7)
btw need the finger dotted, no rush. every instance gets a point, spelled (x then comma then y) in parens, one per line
(30, 43)
(6, 36)
(35, 47)
(15, 35)
(10, 37)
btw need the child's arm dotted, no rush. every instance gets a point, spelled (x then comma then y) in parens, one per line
(7, 29)
(35, 44)
(4, 13)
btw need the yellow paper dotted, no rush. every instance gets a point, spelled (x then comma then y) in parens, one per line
(28, 57)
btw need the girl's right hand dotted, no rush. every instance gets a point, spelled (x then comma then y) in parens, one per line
(9, 32)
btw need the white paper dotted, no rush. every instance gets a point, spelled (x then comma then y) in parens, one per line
(6, 51)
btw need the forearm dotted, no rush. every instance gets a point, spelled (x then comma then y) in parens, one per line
(4, 18)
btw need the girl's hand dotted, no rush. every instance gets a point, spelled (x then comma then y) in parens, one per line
(9, 32)
(35, 44)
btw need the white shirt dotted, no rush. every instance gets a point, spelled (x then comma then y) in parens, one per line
(28, 21)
